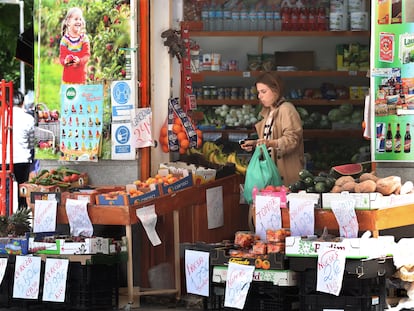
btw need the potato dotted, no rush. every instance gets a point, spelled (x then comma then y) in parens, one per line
(388, 185)
(336, 189)
(368, 176)
(343, 180)
(349, 186)
(366, 186)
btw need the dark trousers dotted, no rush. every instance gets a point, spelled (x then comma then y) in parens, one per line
(21, 173)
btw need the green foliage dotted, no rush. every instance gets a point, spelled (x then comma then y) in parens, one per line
(9, 33)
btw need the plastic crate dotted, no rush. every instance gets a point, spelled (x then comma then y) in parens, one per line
(351, 284)
(93, 287)
(320, 302)
(262, 296)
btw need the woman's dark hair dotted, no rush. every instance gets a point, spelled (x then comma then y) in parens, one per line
(18, 98)
(273, 81)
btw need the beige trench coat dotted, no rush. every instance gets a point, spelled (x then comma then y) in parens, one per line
(287, 130)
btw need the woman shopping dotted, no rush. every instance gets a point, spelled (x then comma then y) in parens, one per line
(280, 130)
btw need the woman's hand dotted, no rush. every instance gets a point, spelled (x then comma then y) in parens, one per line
(248, 145)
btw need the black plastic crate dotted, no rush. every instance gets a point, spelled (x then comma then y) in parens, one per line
(262, 296)
(93, 287)
(320, 302)
(351, 284)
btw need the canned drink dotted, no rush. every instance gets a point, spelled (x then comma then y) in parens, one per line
(206, 92)
(234, 93)
(220, 93)
(213, 92)
(227, 93)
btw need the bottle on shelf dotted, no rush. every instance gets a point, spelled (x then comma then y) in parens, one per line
(388, 139)
(244, 19)
(285, 13)
(303, 19)
(261, 18)
(321, 19)
(277, 21)
(253, 24)
(204, 17)
(212, 17)
(312, 18)
(269, 19)
(294, 19)
(407, 139)
(235, 19)
(218, 18)
(227, 22)
(397, 140)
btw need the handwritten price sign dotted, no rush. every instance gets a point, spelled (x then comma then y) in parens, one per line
(331, 267)
(239, 278)
(268, 214)
(197, 272)
(302, 216)
(141, 124)
(26, 277)
(45, 216)
(79, 221)
(345, 215)
(55, 279)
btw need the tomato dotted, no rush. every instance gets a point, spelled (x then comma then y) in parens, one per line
(74, 177)
(66, 179)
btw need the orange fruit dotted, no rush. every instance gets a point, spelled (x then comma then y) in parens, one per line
(199, 142)
(258, 263)
(266, 264)
(165, 148)
(182, 150)
(177, 128)
(164, 140)
(164, 131)
(184, 143)
(178, 121)
(181, 136)
(199, 133)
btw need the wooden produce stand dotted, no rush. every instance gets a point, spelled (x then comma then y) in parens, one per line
(187, 210)
(372, 220)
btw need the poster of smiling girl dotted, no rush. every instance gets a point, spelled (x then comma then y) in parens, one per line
(80, 48)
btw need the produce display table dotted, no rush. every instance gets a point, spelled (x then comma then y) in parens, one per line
(372, 220)
(189, 202)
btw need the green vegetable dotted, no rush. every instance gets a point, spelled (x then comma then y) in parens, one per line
(305, 173)
(321, 187)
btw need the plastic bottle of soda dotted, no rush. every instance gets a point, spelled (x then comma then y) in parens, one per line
(311, 25)
(303, 19)
(321, 20)
(285, 13)
(294, 19)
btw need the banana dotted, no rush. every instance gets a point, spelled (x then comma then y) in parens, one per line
(231, 158)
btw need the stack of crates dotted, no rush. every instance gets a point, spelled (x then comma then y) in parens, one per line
(357, 294)
(93, 287)
(364, 286)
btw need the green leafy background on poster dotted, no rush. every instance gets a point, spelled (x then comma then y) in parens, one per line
(108, 28)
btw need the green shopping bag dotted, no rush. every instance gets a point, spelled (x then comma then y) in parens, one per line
(261, 172)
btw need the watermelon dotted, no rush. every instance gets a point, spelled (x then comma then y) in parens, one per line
(352, 169)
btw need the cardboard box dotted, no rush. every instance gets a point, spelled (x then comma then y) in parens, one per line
(15, 246)
(356, 248)
(99, 245)
(74, 248)
(126, 199)
(182, 183)
(201, 175)
(302, 60)
(52, 248)
(365, 201)
(277, 277)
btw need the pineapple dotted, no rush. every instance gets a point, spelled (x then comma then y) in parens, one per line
(19, 222)
(4, 223)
